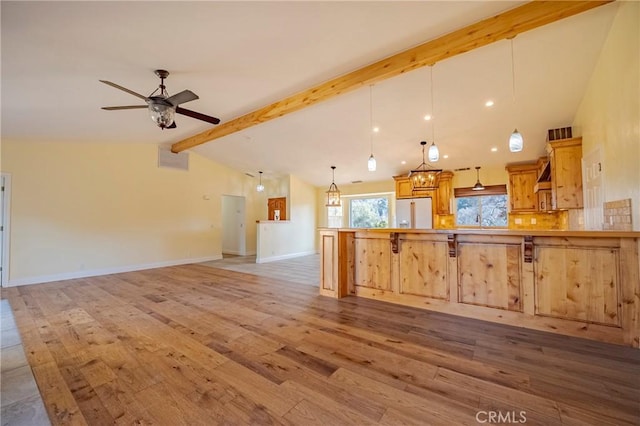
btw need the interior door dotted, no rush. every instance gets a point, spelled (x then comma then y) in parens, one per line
(277, 208)
(593, 194)
(233, 225)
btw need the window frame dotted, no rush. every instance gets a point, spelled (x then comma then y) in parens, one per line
(491, 190)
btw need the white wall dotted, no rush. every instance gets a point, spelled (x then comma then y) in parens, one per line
(296, 236)
(609, 114)
(81, 209)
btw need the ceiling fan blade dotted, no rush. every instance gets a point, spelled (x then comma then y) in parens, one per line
(126, 107)
(124, 89)
(173, 126)
(197, 115)
(182, 97)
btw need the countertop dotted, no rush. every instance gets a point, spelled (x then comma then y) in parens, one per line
(514, 232)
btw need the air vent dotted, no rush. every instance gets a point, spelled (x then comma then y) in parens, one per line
(168, 159)
(557, 134)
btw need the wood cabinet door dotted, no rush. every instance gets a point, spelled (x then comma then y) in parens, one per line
(521, 191)
(443, 194)
(544, 200)
(279, 205)
(404, 189)
(568, 177)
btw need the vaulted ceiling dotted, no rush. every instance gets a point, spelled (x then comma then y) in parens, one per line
(240, 56)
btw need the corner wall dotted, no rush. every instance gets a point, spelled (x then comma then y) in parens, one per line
(609, 114)
(82, 209)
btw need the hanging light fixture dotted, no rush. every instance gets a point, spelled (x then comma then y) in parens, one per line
(478, 186)
(333, 194)
(371, 163)
(260, 186)
(434, 153)
(161, 111)
(424, 177)
(515, 140)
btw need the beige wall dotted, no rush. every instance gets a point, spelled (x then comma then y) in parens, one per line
(85, 209)
(494, 175)
(351, 189)
(609, 115)
(296, 236)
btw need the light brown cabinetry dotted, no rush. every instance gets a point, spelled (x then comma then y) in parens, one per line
(544, 200)
(277, 208)
(404, 189)
(579, 284)
(444, 193)
(522, 180)
(566, 173)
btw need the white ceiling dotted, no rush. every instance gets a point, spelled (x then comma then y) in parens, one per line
(239, 56)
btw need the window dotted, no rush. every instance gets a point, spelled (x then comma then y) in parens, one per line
(369, 212)
(488, 210)
(334, 217)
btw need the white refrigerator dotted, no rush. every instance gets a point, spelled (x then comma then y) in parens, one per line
(414, 213)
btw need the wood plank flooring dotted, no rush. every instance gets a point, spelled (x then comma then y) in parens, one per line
(198, 345)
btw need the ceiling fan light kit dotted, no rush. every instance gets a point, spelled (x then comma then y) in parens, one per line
(162, 107)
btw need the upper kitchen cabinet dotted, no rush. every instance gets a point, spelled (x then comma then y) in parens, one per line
(404, 189)
(444, 193)
(565, 158)
(522, 180)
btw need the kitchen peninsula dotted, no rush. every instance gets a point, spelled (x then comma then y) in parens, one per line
(576, 283)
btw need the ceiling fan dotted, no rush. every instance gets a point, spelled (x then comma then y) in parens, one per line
(163, 107)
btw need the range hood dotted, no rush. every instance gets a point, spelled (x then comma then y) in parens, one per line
(544, 179)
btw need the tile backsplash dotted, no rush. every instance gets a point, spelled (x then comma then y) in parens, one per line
(617, 215)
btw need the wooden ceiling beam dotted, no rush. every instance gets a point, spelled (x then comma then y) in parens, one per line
(505, 25)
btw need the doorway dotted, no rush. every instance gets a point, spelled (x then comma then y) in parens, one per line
(5, 191)
(233, 225)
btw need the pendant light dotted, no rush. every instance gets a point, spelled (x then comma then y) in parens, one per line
(371, 163)
(424, 177)
(260, 186)
(434, 153)
(333, 194)
(478, 186)
(515, 140)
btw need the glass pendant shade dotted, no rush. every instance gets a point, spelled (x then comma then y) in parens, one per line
(515, 141)
(161, 114)
(333, 193)
(371, 164)
(424, 177)
(260, 186)
(434, 153)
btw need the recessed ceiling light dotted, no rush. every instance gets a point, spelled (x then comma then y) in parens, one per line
(376, 129)
(494, 149)
(427, 117)
(489, 103)
(403, 162)
(445, 156)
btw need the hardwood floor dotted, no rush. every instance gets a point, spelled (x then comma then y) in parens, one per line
(198, 345)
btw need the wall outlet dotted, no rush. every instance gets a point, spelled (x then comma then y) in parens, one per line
(518, 221)
(534, 221)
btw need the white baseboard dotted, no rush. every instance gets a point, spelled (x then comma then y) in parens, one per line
(283, 256)
(106, 271)
(239, 253)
